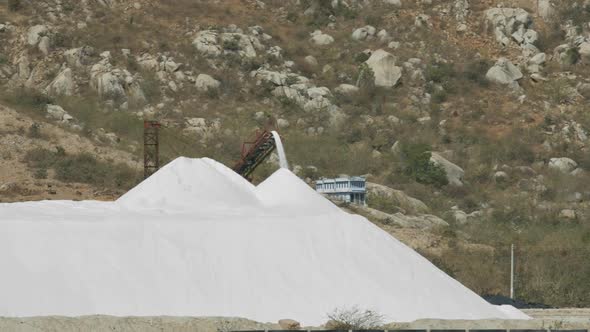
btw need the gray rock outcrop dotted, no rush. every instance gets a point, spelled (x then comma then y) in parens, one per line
(62, 85)
(504, 72)
(321, 39)
(386, 73)
(454, 173)
(406, 204)
(563, 165)
(205, 83)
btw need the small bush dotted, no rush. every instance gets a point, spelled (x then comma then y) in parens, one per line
(559, 91)
(572, 56)
(151, 87)
(366, 77)
(61, 40)
(374, 20)
(440, 72)
(476, 72)
(34, 131)
(232, 44)
(354, 319)
(361, 57)
(40, 173)
(440, 96)
(420, 167)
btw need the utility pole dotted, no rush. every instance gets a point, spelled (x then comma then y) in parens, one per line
(512, 271)
(151, 148)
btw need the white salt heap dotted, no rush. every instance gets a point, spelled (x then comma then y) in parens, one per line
(196, 239)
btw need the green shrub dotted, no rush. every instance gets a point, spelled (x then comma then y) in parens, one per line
(34, 131)
(440, 72)
(292, 17)
(382, 203)
(61, 40)
(232, 44)
(420, 167)
(558, 91)
(440, 96)
(476, 72)
(40, 173)
(361, 57)
(366, 77)
(151, 87)
(374, 20)
(572, 56)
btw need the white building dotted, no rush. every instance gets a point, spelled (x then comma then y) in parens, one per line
(351, 190)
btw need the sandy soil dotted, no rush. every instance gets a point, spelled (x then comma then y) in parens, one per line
(552, 319)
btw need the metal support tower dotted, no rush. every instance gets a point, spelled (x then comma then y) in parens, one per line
(151, 148)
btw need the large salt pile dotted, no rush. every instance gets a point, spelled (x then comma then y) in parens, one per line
(192, 183)
(197, 240)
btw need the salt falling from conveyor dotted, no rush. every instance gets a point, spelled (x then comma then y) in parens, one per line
(280, 150)
(195, 239)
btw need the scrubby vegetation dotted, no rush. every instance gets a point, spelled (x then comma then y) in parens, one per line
(80, 168)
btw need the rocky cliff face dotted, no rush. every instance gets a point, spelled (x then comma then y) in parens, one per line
(477, 108)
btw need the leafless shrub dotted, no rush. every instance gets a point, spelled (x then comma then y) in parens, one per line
(354, 318)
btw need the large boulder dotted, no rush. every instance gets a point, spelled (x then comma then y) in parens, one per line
(24, 67)
(563, 165)
(347, 89)
(423, 221)
(584, 90)
(545, 9)
(365, 33)
(206, 43)
(584, 50)
(106, 83)
(115, 84)
(148, 62)
(320, 38)
(56, 112)
(399, 199)
(504, 72)
(79, 57)
(213, 43)
(205, 83)
(45, 45)
(454, 173)
(386, 73)
(62, 85)
(240, 43)
(35, 34)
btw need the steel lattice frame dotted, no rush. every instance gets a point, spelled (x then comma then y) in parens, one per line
(151, 148)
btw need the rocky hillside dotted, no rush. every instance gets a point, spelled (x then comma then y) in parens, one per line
(468, 117)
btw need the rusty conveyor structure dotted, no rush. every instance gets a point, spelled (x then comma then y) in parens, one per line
(254, 153)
